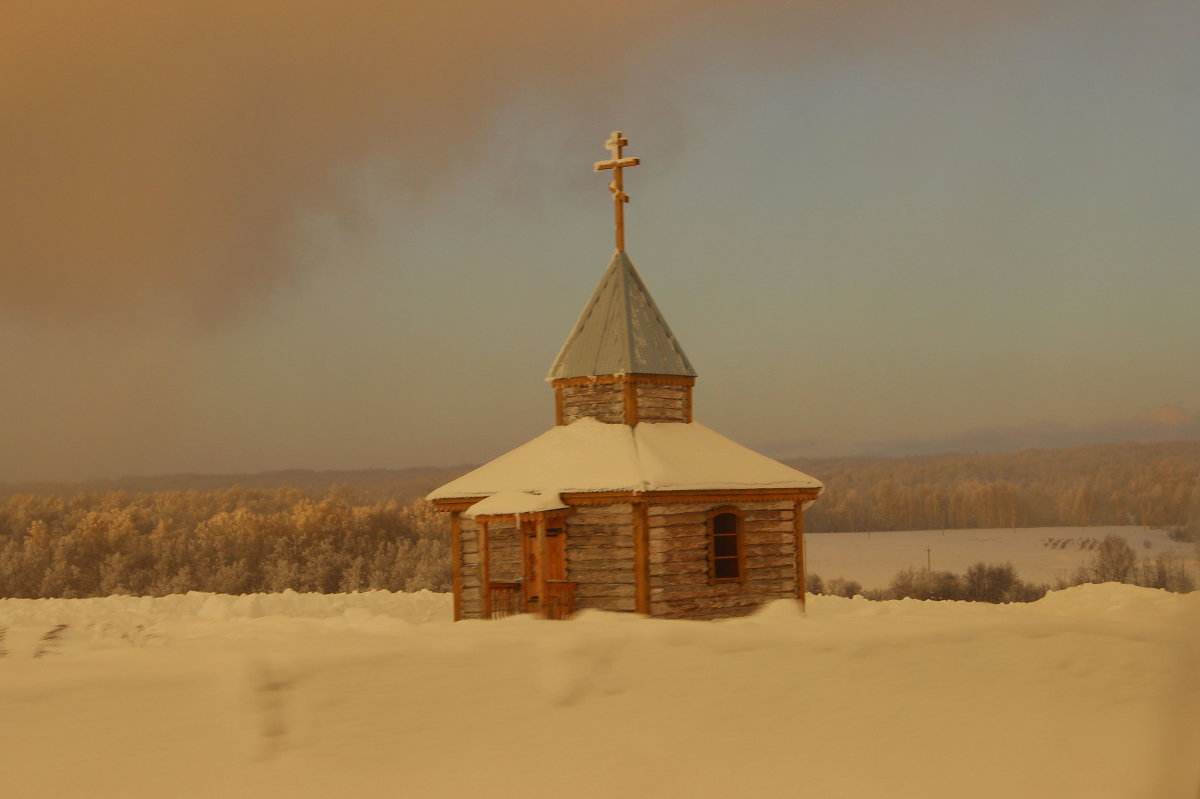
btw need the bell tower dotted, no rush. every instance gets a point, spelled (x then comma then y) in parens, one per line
(621, 364)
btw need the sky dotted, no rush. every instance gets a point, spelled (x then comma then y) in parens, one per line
(250, 236)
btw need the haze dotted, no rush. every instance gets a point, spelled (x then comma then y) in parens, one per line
(239, 237)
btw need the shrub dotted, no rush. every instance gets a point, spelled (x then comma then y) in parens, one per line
(846, 588)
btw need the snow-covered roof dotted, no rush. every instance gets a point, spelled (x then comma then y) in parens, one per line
(621, 331)
(508, 503)
(588, 455)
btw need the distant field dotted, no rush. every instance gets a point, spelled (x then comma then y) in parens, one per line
(873, 558)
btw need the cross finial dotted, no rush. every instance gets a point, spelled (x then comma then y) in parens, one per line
(617, 187)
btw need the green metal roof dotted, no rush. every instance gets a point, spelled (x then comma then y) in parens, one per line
(621, 331)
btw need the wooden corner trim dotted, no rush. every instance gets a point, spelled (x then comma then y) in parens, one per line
(801, 576)
(456, 563)
(641, 558)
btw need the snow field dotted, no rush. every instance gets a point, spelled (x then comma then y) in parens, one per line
(1092, 691)
(874, 558)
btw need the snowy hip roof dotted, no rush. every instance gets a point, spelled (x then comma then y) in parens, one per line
(592, 456)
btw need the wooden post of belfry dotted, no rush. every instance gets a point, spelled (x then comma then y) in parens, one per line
(617, 186)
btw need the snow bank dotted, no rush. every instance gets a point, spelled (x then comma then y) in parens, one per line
(1089, 692)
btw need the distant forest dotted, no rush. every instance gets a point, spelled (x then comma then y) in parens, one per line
(229, 541)
(347, 531)
(1099, 484)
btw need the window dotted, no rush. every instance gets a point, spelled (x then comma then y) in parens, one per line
(725, 545)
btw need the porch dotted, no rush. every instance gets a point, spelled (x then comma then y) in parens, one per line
(510, 598)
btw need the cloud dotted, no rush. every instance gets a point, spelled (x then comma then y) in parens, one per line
(159, 152)
(157, 155)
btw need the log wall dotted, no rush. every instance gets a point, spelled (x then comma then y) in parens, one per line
(468, 544)
(626, 400)
(678, 553)
(600, 557)
(604, 402)
(658, 403)
(504, 560)
(504, 551)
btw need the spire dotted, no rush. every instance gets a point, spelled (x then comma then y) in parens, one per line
(621, 331)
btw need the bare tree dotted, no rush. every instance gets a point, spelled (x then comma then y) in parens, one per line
(1115, 561)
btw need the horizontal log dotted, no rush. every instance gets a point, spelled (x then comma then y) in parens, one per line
(683, 602)
(690, 572)
(697, 517)
(612, 559)
(608, 590)
(601, 543)
(772, 528)
(591, 407)
(592, 402)
(600, 523)
(693, 585)
(588, 514)
(755, 554)
(755, 564)
(771, 572)
(600, 399)
(622, 575)
(696, 579)
(592, 388)
(672, 509)
(679, 556)
(618, 604)
(678, 542)
(725, 601)
(647, 391)
(656, 417)
(661, 404)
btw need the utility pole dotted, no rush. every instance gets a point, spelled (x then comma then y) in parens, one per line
(928, 572)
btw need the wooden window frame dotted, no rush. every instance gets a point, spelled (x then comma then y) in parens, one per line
(736, 512)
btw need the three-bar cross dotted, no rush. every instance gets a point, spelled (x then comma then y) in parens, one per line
(617, 187)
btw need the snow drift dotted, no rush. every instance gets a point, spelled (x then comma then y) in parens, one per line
(1089, 692)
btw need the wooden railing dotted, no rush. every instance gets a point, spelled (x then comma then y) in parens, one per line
(505, 599)
(560, 599)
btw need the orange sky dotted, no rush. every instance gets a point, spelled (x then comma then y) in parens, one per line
(200, 200)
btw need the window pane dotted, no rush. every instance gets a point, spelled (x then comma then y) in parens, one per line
(725, 568)
(725, 546)
(725, 524)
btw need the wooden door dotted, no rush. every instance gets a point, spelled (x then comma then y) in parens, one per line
(555, 564)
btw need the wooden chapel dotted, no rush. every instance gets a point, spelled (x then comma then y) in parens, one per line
(626, 504)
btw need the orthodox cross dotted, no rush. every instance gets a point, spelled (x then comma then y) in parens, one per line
(617, 187)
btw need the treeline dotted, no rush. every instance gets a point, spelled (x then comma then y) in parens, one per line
(1114, 562)
(230, 541)
(1103, 484)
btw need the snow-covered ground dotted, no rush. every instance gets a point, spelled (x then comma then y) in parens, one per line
(1090, 692)
(874, 558)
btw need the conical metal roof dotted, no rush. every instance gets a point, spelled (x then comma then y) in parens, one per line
(621, 331)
